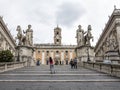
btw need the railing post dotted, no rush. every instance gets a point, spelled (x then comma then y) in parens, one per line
(5, 66)
(111, 69)
(93, 65)
(14, 65)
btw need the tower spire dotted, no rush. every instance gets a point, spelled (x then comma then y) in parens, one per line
(114, 6)
(57, 25)
(57, 36)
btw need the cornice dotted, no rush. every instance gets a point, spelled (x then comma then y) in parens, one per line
(114, 16)
(5, 29)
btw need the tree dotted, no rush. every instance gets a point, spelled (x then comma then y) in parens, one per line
(6, 56)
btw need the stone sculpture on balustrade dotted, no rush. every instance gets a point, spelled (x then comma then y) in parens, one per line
(84, 47)
(25, 39)
(84, 37)
(25, 48)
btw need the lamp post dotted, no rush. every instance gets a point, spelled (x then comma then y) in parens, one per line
(4, 58)
(18, 57)
(88, 56)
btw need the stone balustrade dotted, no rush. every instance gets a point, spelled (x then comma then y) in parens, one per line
(111, 69)
(11, 65)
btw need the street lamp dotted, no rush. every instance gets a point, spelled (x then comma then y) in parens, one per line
(18, 57)
(88, 56)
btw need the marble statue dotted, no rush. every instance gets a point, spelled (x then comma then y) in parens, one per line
(19, 35)
(80, 36)
(83, 38)
(25, 39)
(88, 36)
(29, 36)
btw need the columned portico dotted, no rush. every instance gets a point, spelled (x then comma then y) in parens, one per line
(59, 52)
(71, 55)
(52, 54)
(43, 57)
(62, 57)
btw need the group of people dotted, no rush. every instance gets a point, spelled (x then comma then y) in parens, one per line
(73, 63)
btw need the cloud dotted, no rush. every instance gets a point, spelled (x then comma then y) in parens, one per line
(68, 13)
(44, 15)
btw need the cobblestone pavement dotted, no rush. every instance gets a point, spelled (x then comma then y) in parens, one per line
(65, 78)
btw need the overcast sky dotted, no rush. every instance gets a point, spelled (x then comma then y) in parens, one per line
(44, 15)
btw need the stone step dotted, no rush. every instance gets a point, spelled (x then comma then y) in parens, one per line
(47, 72)
(54, 77)
(65, 78)
(53, 74)
(90, 80)
(60, 85)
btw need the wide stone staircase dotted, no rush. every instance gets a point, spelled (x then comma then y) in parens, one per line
(65, 78)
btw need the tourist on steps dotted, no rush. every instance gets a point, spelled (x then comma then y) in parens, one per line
(71, 63)
(75, 63)
(51, 65)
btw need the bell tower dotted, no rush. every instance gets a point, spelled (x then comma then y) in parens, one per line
(57, 36)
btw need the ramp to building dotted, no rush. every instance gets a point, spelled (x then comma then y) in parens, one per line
(65, 78)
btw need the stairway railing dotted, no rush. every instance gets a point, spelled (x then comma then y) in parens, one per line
(111, 69)
(11, 65)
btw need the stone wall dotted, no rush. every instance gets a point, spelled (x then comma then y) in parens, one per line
(111, 69)
(6, 40)
(11, 66)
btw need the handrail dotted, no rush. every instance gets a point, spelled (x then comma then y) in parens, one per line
(109, 68)
(5, 66)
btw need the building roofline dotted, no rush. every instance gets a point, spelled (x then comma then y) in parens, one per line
(6, 30)
(116, 12)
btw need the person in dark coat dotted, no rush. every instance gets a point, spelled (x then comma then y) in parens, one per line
(71, 63)
(38, 62)
(75, 63)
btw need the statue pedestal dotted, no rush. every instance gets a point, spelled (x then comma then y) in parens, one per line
(85, 53)
(113, 56)
(25, 53)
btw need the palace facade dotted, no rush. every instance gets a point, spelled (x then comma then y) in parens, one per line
(108, 45)
(6, 40)
(61, 54)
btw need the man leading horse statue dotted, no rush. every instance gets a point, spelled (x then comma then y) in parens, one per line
(26, 38)
(83, 38)
(88, 36)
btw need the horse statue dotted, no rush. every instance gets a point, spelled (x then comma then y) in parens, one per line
(88, 36)
(21, 38)
(19, 35)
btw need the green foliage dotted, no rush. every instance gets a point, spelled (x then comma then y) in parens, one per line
(6, 56)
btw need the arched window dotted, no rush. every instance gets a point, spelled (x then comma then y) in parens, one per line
(47, 53)
(57, 40)
(38, 51)
(66, 52)
(57, 52)
(57, 33)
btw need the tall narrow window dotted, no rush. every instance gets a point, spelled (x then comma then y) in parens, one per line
(57, 33)
(57, 40)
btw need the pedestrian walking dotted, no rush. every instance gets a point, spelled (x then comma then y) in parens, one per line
(51, 65)
(71, 63)
(38, 63)
(75, 63)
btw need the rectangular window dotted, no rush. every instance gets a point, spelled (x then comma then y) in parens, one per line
(38, 51)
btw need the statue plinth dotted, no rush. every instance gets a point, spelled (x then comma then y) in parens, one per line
(25, 53)
(85, 53)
